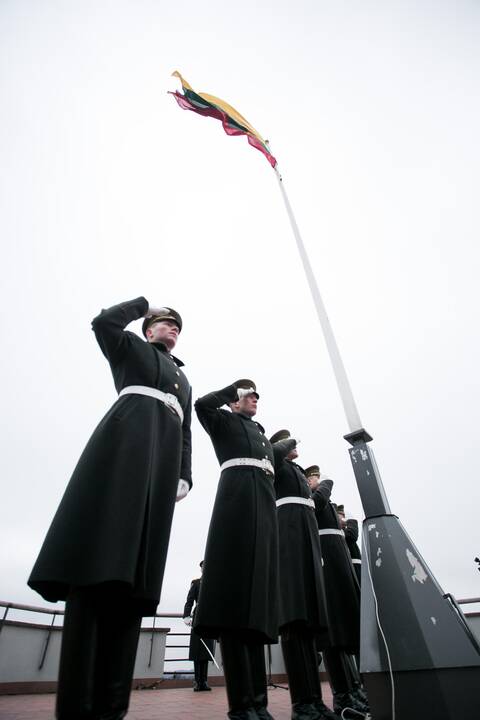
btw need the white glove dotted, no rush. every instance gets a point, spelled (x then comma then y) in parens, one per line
(243, 392)
(182, 490)
(188, 620)
(154, 310)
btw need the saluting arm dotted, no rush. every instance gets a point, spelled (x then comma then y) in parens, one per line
(351, 530)
(281, 450)
(207, 407)
(109, 327)
(321, 496)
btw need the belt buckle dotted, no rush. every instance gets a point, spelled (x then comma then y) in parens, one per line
(266, 466)
(171, 401)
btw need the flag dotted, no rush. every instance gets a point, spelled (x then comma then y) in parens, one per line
(233, 123)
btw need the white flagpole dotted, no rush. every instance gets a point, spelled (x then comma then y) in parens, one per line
(353, 418)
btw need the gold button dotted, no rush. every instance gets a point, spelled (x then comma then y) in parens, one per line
(263, 444)
(176, 386)
(177, 373)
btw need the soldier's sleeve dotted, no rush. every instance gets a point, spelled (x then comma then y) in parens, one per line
(109, 327)
(186, 463)
(321, 496)
(351, 530)
(208, 406)
(187, 610)
(281, 450)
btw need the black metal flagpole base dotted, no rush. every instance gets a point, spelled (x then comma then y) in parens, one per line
(418, 657)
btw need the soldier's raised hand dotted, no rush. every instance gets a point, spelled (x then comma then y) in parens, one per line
(243, 392)
(156, 310)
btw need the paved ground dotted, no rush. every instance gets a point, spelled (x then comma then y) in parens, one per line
(178, 704)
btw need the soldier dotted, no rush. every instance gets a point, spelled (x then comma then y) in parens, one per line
(238, 601)
(106, 548)
(197, 650)
(350, 529)
(303, 614)
(343, 596)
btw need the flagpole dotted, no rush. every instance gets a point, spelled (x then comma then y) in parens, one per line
(351, 412)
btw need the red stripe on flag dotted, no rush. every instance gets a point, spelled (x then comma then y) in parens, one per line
(211, 111)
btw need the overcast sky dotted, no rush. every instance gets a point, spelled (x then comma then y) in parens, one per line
(109, 191)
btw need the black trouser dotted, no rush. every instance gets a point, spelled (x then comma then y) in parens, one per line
(200, 668)
(336, 665)
(244, 671)
(301, 663)
(99, 645)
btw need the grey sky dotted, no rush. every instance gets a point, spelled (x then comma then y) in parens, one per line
(108, 191)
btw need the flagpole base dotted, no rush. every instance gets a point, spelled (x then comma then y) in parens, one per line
(417, 653)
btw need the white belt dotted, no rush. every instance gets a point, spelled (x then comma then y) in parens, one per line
(331, 531)
(264, 464)
(295, 500)
(356, 561)
(168, 399)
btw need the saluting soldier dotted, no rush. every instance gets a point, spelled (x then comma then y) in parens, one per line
(350, 529)
(238, 601)
(198, 649)
(106, 548)
(303, 616)
(342, 593)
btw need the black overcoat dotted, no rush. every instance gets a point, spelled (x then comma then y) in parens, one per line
(302, 594)
(113, 523)
(240, 570)
(197, 651)
(341, 585)
(351, 537)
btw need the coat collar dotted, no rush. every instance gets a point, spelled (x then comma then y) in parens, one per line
(163, 348)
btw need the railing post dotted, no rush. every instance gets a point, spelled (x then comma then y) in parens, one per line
(151, 643)
(2, 621)
(47, 641)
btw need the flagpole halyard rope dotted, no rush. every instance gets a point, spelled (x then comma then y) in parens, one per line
(235, 124)
(351, 412)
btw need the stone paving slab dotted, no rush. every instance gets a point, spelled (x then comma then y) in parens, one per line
(177, 704)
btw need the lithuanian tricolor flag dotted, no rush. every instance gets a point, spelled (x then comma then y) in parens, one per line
(233, 123)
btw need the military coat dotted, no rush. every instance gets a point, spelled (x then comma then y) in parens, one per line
(240, 571)
(113, 523)
(351, 537)
(341, 585)
(302, 594)
(197, 650)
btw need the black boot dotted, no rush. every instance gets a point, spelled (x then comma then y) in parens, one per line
(197, 676)
(256, 654)
(359, 693)
(238, 680)
(312, 670)
(301, 666)
(203, 675)
(117, 638)
(342, 701)
(76, 676)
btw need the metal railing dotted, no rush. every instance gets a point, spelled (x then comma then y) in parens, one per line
(170, 635)
(56, 613)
